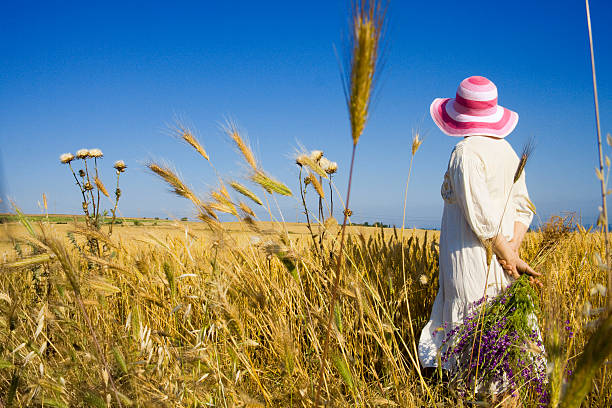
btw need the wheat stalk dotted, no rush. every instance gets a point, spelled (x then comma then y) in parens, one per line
(177, 185)
(269, 184)
(245, 192)
(231, 129)
(366, 29)
(416, 144)
(362, 67)
(186, 134)
(604, 192)
(100, 186)
(599, 346)
(312, 179)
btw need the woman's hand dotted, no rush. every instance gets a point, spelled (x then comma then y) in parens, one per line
(515, 267)
(514, 245)
(511, 262)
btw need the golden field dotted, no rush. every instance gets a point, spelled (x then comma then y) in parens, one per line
(227, 319)
(163, 229)
(260, 314)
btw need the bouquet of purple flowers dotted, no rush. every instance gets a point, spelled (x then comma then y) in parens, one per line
(498, 347)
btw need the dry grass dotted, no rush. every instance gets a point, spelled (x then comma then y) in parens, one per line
(188, 317)
(238, 314)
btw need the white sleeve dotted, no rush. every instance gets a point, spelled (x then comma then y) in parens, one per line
(472, 195)
(520, 198)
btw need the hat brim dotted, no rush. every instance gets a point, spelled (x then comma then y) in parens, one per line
(499, 128)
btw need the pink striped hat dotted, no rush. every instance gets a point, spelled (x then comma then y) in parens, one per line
(474, 111)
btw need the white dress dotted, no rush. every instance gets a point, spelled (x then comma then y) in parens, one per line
(477, 186)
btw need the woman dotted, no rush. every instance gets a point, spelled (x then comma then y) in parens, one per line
(483, 207)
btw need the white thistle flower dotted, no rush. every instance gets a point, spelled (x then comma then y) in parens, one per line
(300, 160)
(316, 155)
(120, 166)
(82, 154)
(95, 153)
(66, 158)
(324, 163)
(332, 168)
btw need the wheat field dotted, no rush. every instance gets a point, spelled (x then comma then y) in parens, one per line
(96, 312)
(237, 318)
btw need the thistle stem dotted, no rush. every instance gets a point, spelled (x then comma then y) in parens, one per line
(331, 197)
(85, 209)
(302, 193)
(98, 200)
(93, 203)
(110, 229)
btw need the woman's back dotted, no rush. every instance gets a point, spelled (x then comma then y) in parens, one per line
(480, 175)
(498, 159)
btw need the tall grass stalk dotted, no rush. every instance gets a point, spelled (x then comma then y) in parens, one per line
(359, 81)
(599, 346)
(604, 193)
(414, 355)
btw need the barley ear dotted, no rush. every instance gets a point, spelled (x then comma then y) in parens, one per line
(317, 186)
(177, 185)
(488, 244)
(363, 62)
(187, 135)
(246, 209)
(245, 192)
(100, 186)
(269, 184)
(232, 131)
(527, 150)
(417, 140)
(313, 165)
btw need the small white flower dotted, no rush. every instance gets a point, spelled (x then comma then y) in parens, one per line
(66, 158)
(316, 155)
(300, 160)
(95, 153)
(120, 166)
(332, 168)
(324, 163)
(423, 279)
(82, 154)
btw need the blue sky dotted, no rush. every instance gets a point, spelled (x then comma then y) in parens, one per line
(113, 75)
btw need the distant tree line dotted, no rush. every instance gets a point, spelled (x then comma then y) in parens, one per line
(376, 224)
